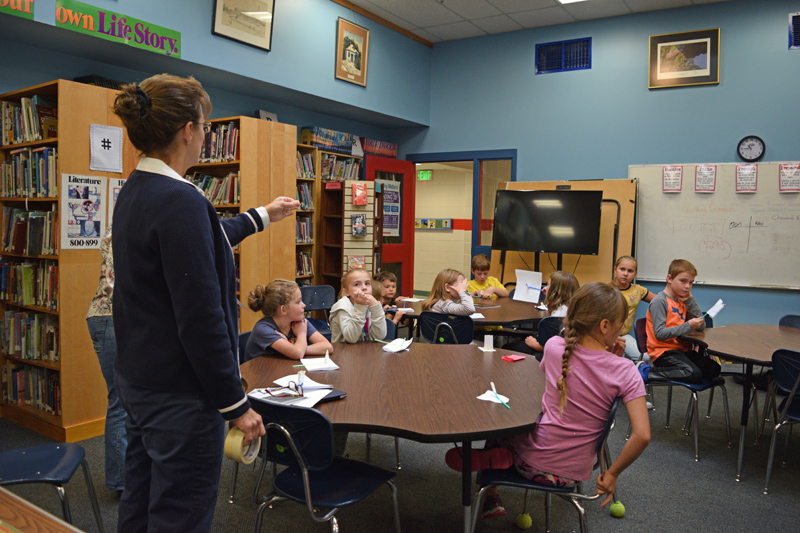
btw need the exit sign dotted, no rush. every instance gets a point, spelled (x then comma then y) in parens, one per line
(425, 175)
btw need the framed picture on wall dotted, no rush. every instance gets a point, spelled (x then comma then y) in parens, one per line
(681, 59)
(352, 51)
(246, 21)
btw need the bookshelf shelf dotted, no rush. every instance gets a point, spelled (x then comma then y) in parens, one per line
(31, 144)
(25, 256)
(51, 365)
(218, 164)
(17, 413)
(35, 308)
(23, 199)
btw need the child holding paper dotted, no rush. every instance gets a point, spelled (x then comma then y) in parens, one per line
(283, 329)
(673, 313)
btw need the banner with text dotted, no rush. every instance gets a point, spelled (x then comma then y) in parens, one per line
(18, 8)
(105, 24)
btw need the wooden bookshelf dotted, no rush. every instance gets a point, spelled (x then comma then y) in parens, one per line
(82, 388)
(307, 176)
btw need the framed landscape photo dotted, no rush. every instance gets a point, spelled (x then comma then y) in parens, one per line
(352, 51)
(681, 59)
(246, 21)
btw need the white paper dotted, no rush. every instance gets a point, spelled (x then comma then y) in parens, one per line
(309, 398)
(484, 349)
(411, 300)
(397, 345)
(475, 316)
(308, 383)
(318, 363)
(541, 307)
(106, 148)
(529, 286)
(488, 341)
(83, 220)
(716, 308)
(489, 396)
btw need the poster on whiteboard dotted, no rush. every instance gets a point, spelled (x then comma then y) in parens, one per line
(391, 208)
(83, 219)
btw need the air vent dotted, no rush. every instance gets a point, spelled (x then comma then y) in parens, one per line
(794, 31)
(562, 56)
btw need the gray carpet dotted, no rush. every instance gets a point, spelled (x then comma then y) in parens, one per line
(665, 490)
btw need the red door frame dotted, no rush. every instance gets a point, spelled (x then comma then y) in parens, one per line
(404, 252)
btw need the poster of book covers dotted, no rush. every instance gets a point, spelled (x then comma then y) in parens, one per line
(114, 186)
(391, 208)
(83, 220)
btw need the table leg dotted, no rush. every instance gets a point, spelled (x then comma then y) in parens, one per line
(746, 386)
(466, 484)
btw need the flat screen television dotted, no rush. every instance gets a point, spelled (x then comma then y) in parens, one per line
(564, 222)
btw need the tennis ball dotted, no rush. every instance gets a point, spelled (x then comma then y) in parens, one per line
(524, 521)
(617, 510)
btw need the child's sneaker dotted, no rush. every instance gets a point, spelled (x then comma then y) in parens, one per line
(494, 458)
(644, 371)
(492, 507)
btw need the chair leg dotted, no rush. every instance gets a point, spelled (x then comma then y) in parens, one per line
(769, 405)
(92, 495)
(669, 405)
(234, 477)
(263, 507)
(526, 501)
(395, 505)
(261, 476)
(755, 412)
(771, 456)
(548, 500)
(334, 524)
(710, 401)
(786, 446)
(369, 442)
(62, 495)
(727, 414)
(476, 506)
(689, 414)
(581, 513)
(696, 427)
(397, 451)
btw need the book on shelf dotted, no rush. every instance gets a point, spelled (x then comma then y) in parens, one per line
(30, 173)
(221, 144)
(30, 335)
(23, 122)
(35, 387)
(359, 221)
(305, 166)
(304, 230)
(218, 190)
(30, 283)
(305, 196)
(356, 261)
(359, 194)
(303, 264)
(29, 232)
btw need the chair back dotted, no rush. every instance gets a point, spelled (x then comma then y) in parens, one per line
(391, 330)
(440, 328)
(602, 441)
(641, 334)
(318, 297)
(548, 327)
(786, 370)
(790, 321)
(296, 436)
(243, 338)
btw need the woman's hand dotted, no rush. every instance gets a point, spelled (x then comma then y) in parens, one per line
(281, 207)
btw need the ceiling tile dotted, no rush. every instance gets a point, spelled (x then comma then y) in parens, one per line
(420, 13)
(537, 18)
(386, 15)
(654, 5)
(458, 30)
(708, 1)
(472, 9)
(597, 9)
(425, 35)
(498, 24)
(515, 6)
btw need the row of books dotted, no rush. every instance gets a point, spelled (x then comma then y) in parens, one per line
(30, 173)
(330, 140)
(30, 283)
(221, 144)
(32, 386)
(381, 148)
(29, 232)
(219, 191)
(32, 119)
(303, 266)
(304, 230)
(339, 169)
(305, 196)
(305, 166)
(29, 335)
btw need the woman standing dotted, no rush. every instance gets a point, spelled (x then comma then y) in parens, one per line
(175, 314)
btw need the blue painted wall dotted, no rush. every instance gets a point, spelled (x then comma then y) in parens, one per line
(594, 123)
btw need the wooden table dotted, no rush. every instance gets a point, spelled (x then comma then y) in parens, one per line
(427, 394)
(25, 516)
(497, 311)
(750, 345)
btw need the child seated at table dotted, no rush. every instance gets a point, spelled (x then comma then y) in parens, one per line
(584, 374)
(484, 285)
(624, 273)
(357, 315)
(386, 284)
(449, 294)
(283, 329)
(672, 313)
(560, 288)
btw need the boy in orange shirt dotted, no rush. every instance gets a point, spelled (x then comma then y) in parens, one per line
(674, 312)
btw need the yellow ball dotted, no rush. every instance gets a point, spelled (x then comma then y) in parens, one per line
(617, 510)
(524, 521)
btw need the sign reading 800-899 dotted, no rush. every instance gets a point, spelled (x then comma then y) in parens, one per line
(83, 211)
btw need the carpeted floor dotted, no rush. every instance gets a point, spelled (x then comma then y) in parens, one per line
(665, 490)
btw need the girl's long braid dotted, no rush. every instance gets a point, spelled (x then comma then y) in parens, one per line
(571, 338)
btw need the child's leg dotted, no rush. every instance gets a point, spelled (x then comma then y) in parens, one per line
(631, 349)
(675, 365)
(708, 367)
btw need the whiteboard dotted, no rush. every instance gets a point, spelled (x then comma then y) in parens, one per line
(750, 240)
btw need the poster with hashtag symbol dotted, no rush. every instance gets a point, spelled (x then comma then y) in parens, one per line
(106, 143)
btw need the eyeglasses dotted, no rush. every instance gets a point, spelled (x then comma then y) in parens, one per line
(293, 389)
(206, 126)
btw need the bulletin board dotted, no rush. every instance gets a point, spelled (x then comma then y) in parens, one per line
(587, 268)
(749, 239)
